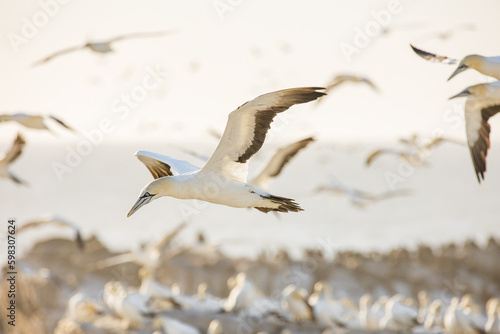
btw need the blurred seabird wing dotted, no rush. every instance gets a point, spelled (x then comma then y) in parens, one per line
(59, 53)
(279, 160)
(60, 122)
(56, 221)
(15, 150)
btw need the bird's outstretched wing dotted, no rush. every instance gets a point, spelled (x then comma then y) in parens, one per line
(247, 127)
(15, 150)
(60, 122)
(440, 140)
(391, 194)
(160, 165)
(477, 114)
(59, 53)
(279, 160)
(434, 57)
(377, 153)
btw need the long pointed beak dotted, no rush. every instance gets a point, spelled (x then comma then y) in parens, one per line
(459, 69)
(143, 200)
(465, 92)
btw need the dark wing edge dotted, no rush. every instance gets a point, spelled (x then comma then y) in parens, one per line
(479, 150)
(157, 168)
(433, 57)
(61, 122)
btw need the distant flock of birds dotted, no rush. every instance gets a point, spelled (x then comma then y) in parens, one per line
(153, 305)
(148, 306)
(128, 308)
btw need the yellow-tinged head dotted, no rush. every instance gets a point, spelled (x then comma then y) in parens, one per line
(476, 90)
(471, 61)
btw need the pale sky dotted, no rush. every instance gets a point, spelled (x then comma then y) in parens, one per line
(216, 60)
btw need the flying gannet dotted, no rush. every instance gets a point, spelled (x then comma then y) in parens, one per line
(360, 198)
(147, 256)
(101, 46)
(56, 221)
(11, 156)
(33, 121)
(489, 66)
(344, 78)
(222, 180)
(415, 151)
(483, 102)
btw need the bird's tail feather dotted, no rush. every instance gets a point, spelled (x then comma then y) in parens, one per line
(286, 204)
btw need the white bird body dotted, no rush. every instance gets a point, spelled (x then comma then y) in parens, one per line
(129, 305)
(294, 302)
(435, 315)
(492, 326)
(222, 180)
(82, 309)
(215, 327)
(150, 287)
(370, 313)
(174, 326)
(242, 295)
(33, 122)
(398, 316)
(329, 311)
(458, 321)
(203, 187)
